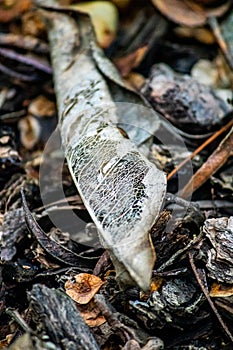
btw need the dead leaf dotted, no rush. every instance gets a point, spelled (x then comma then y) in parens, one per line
(32, 24)
(42, 107)
(91, 314)
(58, 252)
(104, 17)
(6, 341)
(13, 10)
(120, 188)
(121, 4)
(42, 258)
(29, 131)
(188, 12)
(156, 283)
(135, 81)
(220, 290)
(83, 287)
(127, 63)
(203, 35)
(220, 257)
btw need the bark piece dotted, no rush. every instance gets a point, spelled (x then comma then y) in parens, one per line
(11, 231)
(220, 261)
(58, 316)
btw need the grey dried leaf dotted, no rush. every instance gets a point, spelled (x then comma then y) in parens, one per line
(11, 230)
(220, 256)
(121, 189)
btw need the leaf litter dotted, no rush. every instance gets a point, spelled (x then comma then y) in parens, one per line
(188, 287)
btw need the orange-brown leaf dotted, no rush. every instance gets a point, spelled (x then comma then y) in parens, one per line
(83, 287)
(91, 314)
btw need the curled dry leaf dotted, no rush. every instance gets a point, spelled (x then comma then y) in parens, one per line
(12, 9)
(104, 17)
(220, 256)
(83, 287)
(220, 290)
(120, 188)
(188, 12)
(32, 24)
(42, 107)
(29, 131)
(127, 63)
(121, 4)
(91, 314)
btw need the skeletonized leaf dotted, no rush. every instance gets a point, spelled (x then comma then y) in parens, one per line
(121, 189)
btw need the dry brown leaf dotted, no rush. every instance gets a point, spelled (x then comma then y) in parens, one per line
(6, 341)
(42, 107)
(135, 81)
(220, 290)
(42, 258)
(127, 63)
(12, 10)
(104, 16)
(91, 314)
(121, 4)
(32, 24)
(188, 12)
(203, 35)
(156, 283)
(83, 287)
(29, 131)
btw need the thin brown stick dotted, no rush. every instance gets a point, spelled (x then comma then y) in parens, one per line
(205, 292)
(33, 62)
(215, 161)
(200, 148)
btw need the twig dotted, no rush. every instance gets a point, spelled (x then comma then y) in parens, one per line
(215, 161)
(200, 148)
(13, 116)
(24, 42)
(14, 314)
(26, 60)
(16, 75)
(205, 292)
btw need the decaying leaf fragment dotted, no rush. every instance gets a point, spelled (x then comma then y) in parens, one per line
(220, 261)
(83, 287)
(121, 189)
(190, 12)
(104, 17)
